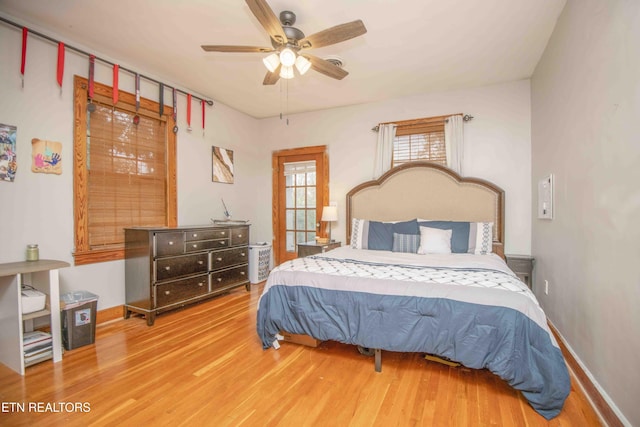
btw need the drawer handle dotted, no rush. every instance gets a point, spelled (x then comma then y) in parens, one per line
(222, 243)
(167, 292)
(239, 235)
(242, 254)
(218, 259)
(223, 233)
(167, 268)
(195, 234)
(170, 243)
(242, 273)
(201, 284)
(200, 262)
(219, 279)
(195, 246)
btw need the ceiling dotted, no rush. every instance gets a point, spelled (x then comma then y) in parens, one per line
(411, 46)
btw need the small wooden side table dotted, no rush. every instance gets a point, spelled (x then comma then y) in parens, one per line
(313, 248)
(522, 265)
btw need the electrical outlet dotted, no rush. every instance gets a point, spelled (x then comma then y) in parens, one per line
(546, 287)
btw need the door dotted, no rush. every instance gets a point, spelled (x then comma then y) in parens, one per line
(300, 190)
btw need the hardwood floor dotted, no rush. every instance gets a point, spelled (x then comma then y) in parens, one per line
(204, 365)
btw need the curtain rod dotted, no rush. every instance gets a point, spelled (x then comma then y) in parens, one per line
(80, 51)
(465, 117)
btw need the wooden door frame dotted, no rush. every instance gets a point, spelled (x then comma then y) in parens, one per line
(317, 149)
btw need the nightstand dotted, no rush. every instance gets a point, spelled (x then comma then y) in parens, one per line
(313, 248)
(522, 265)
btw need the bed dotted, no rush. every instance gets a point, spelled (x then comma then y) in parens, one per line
(422, 271)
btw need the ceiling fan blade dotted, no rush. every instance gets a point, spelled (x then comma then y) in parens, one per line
(268, 20)
(236, 49)
(333, 35)
(327, 68)
(272, 78)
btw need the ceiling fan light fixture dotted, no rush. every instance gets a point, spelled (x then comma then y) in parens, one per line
(271, 62)
(286, 72)
(287, 57)
(302, 64)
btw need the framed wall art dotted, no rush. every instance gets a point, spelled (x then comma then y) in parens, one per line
(8, 160)
(222, 165)
(46, 156)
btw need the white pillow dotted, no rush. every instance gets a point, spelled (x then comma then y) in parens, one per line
(434, 241)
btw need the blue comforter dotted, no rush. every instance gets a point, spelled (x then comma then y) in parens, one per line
(467, 308)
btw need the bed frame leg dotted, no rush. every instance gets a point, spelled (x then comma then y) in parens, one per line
(378, 360)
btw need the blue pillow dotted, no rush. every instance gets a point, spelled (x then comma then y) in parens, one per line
(381, 233)
(459, 233)
(406, 243)
(380, 236)
(407, 227)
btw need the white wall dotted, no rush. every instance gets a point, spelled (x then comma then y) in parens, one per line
(585, 127)
(38, 208)
(497, 144)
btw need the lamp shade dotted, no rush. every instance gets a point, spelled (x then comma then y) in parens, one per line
(330, 213)
(302, 64)
(287, 57)
(271, 62)
(286, 72)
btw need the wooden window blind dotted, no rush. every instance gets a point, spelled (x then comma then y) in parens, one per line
(420, 139)
(125, 173)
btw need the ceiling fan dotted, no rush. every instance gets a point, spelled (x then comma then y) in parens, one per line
(288, 42)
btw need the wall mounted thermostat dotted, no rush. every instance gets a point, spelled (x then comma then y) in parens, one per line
(545, 197)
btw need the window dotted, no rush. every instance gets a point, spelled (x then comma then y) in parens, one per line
(420, 139)
(124, 172)
(300, 188)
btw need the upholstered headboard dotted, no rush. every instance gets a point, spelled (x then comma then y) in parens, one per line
(428, 191)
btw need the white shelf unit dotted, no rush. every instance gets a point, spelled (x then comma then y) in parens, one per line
(42, 275)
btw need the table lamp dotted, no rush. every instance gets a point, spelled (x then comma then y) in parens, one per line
(329, 214)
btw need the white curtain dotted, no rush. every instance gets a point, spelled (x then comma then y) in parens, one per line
(384, 149)
(454, 142)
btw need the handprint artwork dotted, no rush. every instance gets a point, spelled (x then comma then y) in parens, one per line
(46, 156)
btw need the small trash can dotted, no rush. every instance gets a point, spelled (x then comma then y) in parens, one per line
(260, 263)
(78, 318)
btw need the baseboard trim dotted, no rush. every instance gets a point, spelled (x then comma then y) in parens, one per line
(109, 314)
(605, 411)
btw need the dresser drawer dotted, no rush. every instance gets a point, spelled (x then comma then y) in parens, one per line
(200, 245)
(169, 268)
(207, 234)
(180, 290)
(228, 258)
(168, 244)
(239, 236)
(225, 278)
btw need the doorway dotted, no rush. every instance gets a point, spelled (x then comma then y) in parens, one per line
(300, 190)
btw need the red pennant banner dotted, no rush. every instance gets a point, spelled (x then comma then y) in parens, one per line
(188, 111)
(60, 70)
(116, 70)
(202, 104)
(92, 67)
(25, 31)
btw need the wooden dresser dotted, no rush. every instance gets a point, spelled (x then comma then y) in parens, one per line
(167, 268)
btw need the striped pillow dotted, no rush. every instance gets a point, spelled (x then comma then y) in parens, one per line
(406, 243)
